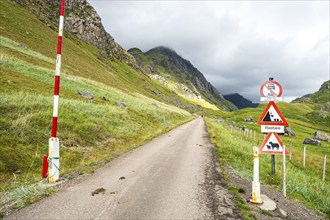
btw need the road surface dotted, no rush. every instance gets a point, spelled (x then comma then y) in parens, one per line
(175, 176)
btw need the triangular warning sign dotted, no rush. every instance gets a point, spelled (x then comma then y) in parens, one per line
(272, 145)
(272, 116)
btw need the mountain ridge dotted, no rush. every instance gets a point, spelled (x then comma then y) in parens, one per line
(320, 97)
(82, 20)
(164, 61)
(240, 102)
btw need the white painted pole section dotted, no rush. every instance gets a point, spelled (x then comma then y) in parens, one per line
(54, 160)
(304, 157)
(55, 108)
(284, 172)
(58, 65)
(324, 164)
(255, 183)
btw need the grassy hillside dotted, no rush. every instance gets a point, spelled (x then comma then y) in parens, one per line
(304, 184)
(321, 98)
(91, 131)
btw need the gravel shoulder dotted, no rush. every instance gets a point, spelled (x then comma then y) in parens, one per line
(286, 208)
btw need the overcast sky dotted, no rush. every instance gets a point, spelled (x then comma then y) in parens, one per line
(237, 45)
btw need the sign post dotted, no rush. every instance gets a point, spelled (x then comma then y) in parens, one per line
(271, 120)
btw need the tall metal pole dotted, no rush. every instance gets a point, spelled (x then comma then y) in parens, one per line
(54, 149)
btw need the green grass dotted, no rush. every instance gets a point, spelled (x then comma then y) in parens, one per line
(302, 184)
(91, 132)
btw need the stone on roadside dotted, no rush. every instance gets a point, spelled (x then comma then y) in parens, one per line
(283, 213)
(268, 204)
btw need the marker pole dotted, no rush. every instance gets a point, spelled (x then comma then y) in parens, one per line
(255, 183)
(54, 146)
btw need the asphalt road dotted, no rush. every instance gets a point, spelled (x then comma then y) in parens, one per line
(175, 176)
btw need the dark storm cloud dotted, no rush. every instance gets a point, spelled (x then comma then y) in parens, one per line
(236, 45)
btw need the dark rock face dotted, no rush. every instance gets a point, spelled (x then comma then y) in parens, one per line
(312, 141)
(82, 20)
(321, 136)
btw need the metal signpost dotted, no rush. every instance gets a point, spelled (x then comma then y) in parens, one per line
(272, 122)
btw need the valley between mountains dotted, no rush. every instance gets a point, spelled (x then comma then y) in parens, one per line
(143, 134)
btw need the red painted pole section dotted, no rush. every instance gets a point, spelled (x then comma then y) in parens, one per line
(45, 167)
(58, 71)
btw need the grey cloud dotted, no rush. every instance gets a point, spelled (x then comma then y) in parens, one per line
(236, 45)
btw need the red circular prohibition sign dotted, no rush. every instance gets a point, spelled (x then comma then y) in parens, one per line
(273, 82)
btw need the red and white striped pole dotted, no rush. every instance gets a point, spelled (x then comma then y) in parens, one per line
(54, 146)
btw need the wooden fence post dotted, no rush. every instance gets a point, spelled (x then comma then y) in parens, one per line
(290, 155)
(304, 157)
(324, 164)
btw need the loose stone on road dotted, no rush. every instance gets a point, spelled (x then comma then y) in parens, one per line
(175, 176)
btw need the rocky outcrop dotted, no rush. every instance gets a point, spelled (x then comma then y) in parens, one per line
(289, 131)
(312, 141)
(82, 20)
(250, 118)
(321, 136)
(86, 95)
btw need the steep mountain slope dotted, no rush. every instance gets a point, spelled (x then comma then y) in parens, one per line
(81, 20)
(125, 109)
(164, 63)
(240, 101)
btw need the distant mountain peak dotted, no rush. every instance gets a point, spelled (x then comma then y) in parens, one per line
(239, 101)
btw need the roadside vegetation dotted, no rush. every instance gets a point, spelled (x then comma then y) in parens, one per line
(125, 110)
(303, 184)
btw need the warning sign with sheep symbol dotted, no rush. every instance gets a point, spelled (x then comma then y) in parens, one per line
(272, 145)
